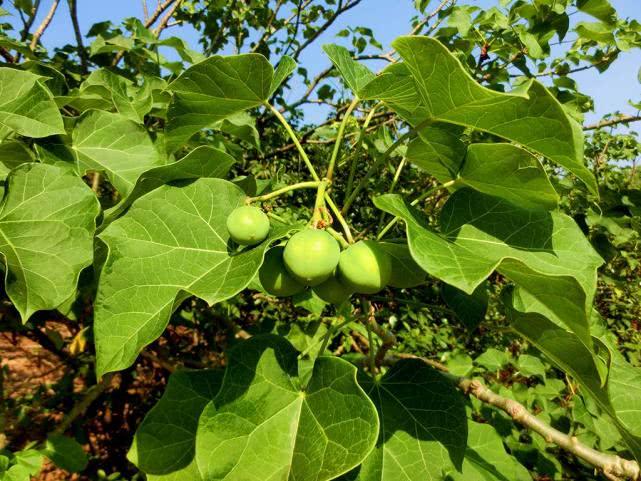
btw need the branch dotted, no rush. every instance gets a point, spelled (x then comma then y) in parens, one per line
(148, 23)
(6, 55)
(339, 11)
(43, 26)
(268, 33)
(621, 119)
(73, 12)
(612, 466)
(81, 406)
(163, 23)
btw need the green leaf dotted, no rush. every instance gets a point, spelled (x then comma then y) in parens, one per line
(26, 464)
(531, 366)
(264, 424)
(111, 143)
(214, 89)
(26, 105)
(504, 170)
(532, 117)
(203, 161)
(544, 252)
(12, 154)
(406, 272)
(47, 222)
(469, 308)
(486, 459)
(597, 31)
(600, 9)
(66, 453)
(355, 74)
(492, 359)
(283, 70)
(423, 424)
(171, 243)
(438, 150)
(619, 398)
(165, 443)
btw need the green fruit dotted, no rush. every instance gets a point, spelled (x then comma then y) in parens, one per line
(365, 267)
(311, 256)
(248, 225)
(333, 291)
(274, 277)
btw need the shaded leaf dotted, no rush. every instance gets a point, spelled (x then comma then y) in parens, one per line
(438, 150)
(283, 70)
(264, 423)
(423, 424)
(66, 453)
(469, 308)
(165, 443)
(406, 272)
(504, 170)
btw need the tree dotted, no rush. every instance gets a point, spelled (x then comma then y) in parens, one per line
(453, 205)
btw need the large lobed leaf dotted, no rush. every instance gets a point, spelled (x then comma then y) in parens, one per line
(432, 83)
(171, 243)
(47, 223)
(268, 424)
(215, 89)
(26, 105)
(544, 252)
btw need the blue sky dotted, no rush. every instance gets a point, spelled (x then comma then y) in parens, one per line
(389, 19)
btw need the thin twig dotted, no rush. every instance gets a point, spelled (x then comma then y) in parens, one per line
(82, 54)
(43, 26)
(163, 23)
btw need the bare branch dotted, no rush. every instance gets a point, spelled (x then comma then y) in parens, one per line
(27, 24)
(145, 10)
(612, 466)
(621, 119)
(43, 26)
(6, 55)
(148, 23)
(339, 11)
(163, 23)
(73, 12)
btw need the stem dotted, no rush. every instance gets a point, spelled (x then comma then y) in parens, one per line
(43, 26)
(337, 235)
(421, 197)
(319, 204)
(397, 176)
(375, 166)
(339, 138)
(300, 185)
(81, 406)
(292, 135)
(359, 143)
(341, 220)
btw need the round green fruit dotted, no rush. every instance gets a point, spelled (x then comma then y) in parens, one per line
(248, 225)
(365, 267)
(333, 291)
(274, 276)
(311, 256)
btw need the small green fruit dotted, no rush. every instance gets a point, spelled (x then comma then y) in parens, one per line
(274, 276)
(365, 267)
(248, 225)
(311, 256)
(333, 291)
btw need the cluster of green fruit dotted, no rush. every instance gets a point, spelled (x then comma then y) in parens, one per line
(312, 258)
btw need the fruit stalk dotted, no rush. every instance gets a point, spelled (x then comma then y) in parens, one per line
(312, 184)
(339, 138)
